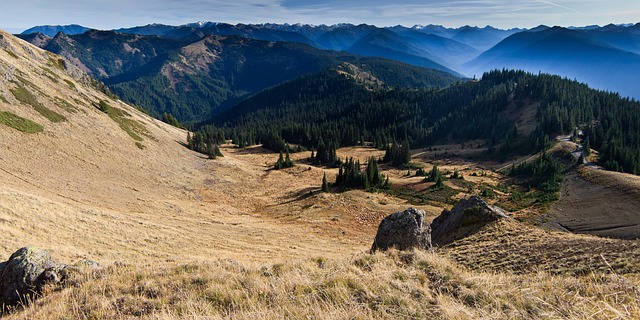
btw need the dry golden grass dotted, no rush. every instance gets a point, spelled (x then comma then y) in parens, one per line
(519, 248)
(83, 188)
(395, 285)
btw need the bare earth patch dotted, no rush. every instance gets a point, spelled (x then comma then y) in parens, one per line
(599, 202)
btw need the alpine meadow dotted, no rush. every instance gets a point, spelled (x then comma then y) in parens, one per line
(320, 170)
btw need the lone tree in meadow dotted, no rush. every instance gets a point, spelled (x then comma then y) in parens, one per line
(325, 184)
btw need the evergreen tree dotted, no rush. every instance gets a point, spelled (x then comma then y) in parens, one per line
(398, 155)
(439, 182)
(346, 114)
(587, 147)
(280, 162)
(287, 161)
(170, 119)
(212, 154)
(325, 184)
(456, 174)
(434, 174)
(366, 185)
(543, 173)
(350, 176)
(283, 161)
(405, 153)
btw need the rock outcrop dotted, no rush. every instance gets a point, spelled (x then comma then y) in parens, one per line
(403, 230)
(466, 218)
(25, 273)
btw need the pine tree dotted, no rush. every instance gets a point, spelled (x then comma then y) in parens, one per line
(439, 182)
(325, 184)
(405, 153)
(211, 151)
(587, 147)
(216, 150)
(287, 161)
(387, 184)
(365, 183)
(434, 174)
(280, 162)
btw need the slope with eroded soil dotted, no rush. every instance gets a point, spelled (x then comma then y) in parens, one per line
(599, 202)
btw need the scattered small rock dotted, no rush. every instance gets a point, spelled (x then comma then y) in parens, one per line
(403, 230)
(88, 264)
(466, 218)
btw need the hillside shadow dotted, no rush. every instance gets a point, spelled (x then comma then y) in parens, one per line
(253, 150)
(198, 154)
(300, 195)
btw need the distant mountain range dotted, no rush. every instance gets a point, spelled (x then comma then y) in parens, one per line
(605, 58)
(53, 30)
(436, 47)
(195, 77)
(192, 69)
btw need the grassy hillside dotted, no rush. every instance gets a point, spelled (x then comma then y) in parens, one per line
(183, 236)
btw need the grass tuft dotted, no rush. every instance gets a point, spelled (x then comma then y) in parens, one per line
(133, 128)
(57, 62)
(23, 95)
(19, 123)
(64, 104)
(11, 53)
(50, 74)
(70, 84)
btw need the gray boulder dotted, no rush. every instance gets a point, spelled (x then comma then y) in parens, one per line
(25, 274)
(466, 218)
(403, 230)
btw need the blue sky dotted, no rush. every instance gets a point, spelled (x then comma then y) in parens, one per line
(101, 14)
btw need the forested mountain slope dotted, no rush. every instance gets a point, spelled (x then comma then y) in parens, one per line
(195, 79)
(513, 111)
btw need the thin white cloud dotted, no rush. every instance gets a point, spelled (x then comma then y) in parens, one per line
(560, 6)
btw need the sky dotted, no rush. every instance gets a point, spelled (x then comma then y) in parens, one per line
(113, 14)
